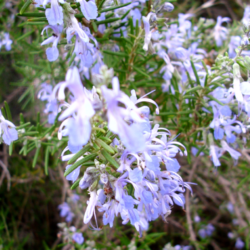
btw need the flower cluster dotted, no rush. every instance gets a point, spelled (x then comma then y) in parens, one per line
(68, 210)
(127, 163)
(186, 61)
(206, 231)
(70, 235)
(145, 184)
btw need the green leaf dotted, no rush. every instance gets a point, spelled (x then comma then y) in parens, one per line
(38, 19)
(95, 28)
(100, 130)
(79, 15)
(7, 108)
(110, 20)
(32, 14)
(201, 149)
(72, 59)
(80, 162)
(32, 23)
(107, 140)
(105, 146)
(122, 54)
(216, 100)
(21, 119)
(47, 131)
(25, 6)
(46, 161)
(109, 158)
(243, 181)
(137, 28)
(3, 112)
(79, 153)
(195, 73)
(75, 185)
(167, 113)
(31, 133)
(139, 71)
(194, 89)
(35, 157)
(114, 8)
(123, 16)
(101, 4)
(25, 35)
(190, 97)
(11, 148)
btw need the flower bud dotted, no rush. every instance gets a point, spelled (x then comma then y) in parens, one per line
(168, 7)
(93, 186)
(105, 76)
(104, 178)
(90, 176)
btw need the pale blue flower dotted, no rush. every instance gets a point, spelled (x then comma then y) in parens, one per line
(246, 17)
(90, 211)
(135, 175)
(215, 154)
(239, 244)
(220, 32)
(7, 130)
(148, 33)
(123, 120)
(168, 7)
(54, 14)
(65, 211)
(230, 207)
(78, 238)
(89, 9)
(77, 125)
(46, 94)
(74, 174)
(52, 52)
(207, 231)
(76, 28)
(235, 42)
(6, 42)
(184, 24)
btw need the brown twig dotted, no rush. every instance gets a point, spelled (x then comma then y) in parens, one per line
(66, 188)
(13, 94)
(232, 199)
(214, 244)
(188, 215)
(5, 173)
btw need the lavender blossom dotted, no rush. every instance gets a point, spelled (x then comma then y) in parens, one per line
(220, 32)
(6, 42)
(7, 130)
(148, 32)
(124, 120)
(235, 42)
(54, 14)
(207, 231)
(77, 125)
(89, 9)
(78, 238)
(246, 18)
(46, 94)
(65, 211)
(52, 53)
(239, 244)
